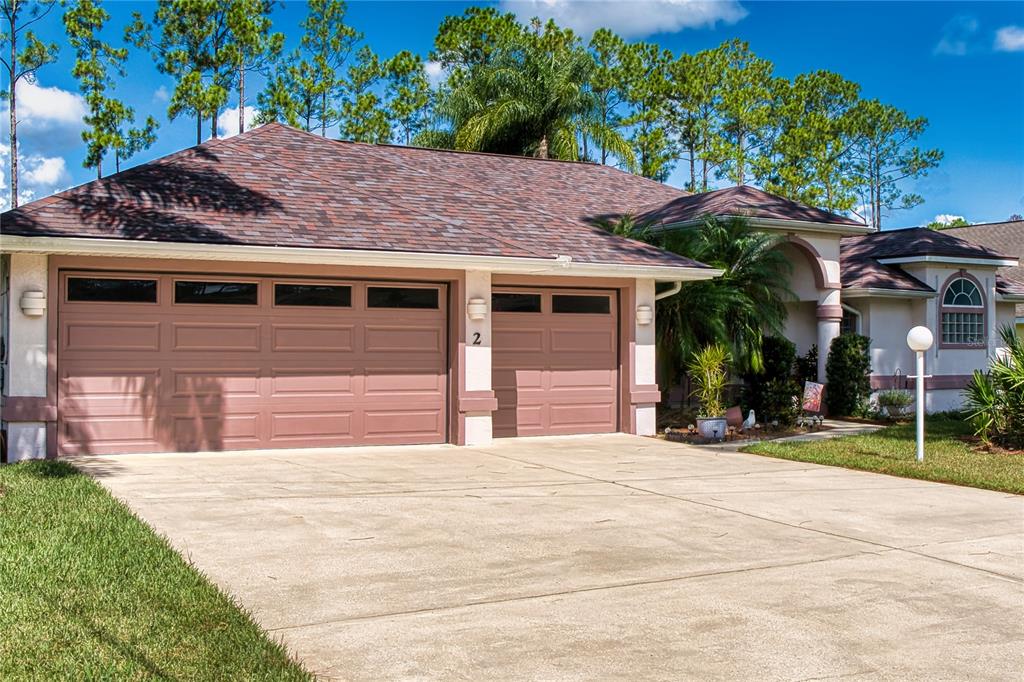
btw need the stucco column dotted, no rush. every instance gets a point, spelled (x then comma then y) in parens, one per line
(645, 395)
(830, 317)
(476, 397)
(25, 392)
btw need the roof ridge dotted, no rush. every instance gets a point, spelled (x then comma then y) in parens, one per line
(443, 219)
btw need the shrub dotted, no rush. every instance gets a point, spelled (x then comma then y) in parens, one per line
(848, 373)
(774, 394)
(708, 373)
(995, 399)
(895, 402)
(807, 365)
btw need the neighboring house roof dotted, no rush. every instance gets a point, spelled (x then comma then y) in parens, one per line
(1006, 238)
(278, 186)
(860, 257)
(738, 201)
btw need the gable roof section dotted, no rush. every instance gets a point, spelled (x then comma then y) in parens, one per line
(278, 186)
(739, 201)
(860, 257)
(1006, 238)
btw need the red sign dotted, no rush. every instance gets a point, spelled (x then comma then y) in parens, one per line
(812, 396)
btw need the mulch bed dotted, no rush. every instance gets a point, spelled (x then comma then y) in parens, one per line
(682, 435)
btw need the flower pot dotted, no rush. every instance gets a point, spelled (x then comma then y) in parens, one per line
(712, 428)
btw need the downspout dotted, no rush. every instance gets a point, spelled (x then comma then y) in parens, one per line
(856, 313)
(672, 291)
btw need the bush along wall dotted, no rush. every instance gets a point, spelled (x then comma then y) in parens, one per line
(848, 373)
(774, 393)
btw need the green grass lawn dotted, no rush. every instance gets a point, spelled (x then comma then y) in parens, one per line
(87, 591)
(891, 451)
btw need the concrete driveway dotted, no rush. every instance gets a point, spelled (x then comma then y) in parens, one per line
(595, 557)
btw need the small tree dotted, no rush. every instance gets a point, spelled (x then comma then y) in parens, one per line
(774, 393)
(708, 373)
(848, 372)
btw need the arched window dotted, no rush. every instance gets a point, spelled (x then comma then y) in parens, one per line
(963, 313)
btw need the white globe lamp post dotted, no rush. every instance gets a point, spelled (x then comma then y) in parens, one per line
(920, 339)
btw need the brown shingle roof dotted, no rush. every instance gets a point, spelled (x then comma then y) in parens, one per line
(1006, 238)
(277, 186)
(738, 201)
(859, 256)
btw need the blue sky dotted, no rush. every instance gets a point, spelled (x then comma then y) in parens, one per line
(961, 65)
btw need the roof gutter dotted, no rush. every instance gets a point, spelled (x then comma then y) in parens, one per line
(560, 265)
(994, 262)
(779, 224)
(873, 292)
(671, 291)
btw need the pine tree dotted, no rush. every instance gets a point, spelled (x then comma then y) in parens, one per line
(253, 47)
(328, 43)
(17, 16)
(363, 117)
(408, 95)
(106, 115)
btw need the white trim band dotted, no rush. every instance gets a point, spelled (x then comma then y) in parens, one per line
(560, 265)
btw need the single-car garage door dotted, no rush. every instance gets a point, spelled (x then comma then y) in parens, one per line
(555, 359)
(150, 362)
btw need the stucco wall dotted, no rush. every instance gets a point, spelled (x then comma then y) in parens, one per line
(802, 325)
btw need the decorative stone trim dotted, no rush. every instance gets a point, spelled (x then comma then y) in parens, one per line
(645, 395)
(477, 401)
(28, 409)
(884, 382)
(830, 312)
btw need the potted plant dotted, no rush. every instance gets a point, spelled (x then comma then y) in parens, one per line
(895, 402)
(708, 373)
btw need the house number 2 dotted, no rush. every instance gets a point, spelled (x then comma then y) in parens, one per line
(476, 338)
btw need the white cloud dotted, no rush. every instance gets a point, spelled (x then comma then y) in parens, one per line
(39, 176)
(49, 119)
(44, 171)
(632, 19)
(957, 36)
(1010, 39)
(162, 94)
(227, 122)
(435, 73)
(947, 218)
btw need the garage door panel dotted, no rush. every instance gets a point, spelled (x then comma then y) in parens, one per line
(238, 383)
(556, 373)
(193, 433)
(313, 338)
(193, 377)
(583, 341)
(313, 382)
(107, 335)
(305, 425)
(393, 426)
(215, 337)
(404, 339)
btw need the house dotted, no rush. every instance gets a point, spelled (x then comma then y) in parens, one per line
(850, 278)
(280, 289)
(1007, 238)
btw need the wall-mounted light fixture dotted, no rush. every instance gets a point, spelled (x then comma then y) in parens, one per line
(644, 314)
(477, 309)
(33, 303)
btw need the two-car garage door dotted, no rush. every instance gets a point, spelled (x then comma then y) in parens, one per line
(183, 362)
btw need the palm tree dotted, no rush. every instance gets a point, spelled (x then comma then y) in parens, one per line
(737, 309)
(747, 302)
(531, 99)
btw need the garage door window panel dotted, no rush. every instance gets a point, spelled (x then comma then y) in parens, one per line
(402, 297)
(216, 293)
(111, 290)
(313, 295)
(506, 302)
(580, 304)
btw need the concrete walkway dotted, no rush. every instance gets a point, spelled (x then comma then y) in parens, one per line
(832, 428)
(611, 557)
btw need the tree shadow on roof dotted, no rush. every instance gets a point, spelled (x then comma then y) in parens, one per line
(182, 201)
